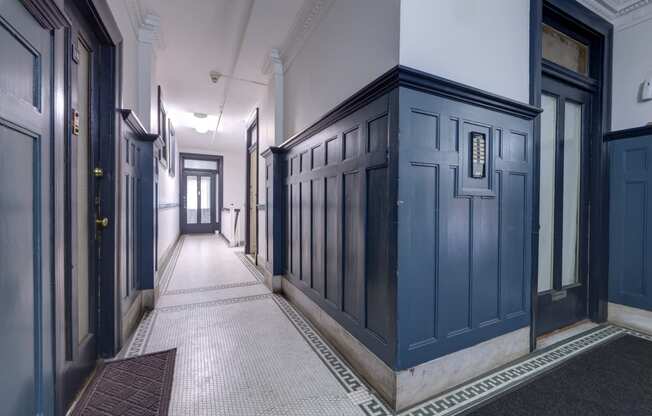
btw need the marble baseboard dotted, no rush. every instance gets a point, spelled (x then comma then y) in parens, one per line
(429, 379)
(638, 319)
(131, 318)
(406, 388)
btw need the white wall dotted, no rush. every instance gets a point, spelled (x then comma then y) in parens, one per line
(129, 53)
(356, 42)
(632, 64)
(484, 44)
(135, 57)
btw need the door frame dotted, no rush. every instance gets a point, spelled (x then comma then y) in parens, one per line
(251, 147)
(219, 183)
(99, 17)
(578, 18)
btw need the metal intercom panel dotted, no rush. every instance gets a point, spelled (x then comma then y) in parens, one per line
(478, 155)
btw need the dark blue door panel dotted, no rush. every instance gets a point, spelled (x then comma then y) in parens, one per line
(630, 228)
(25, 324)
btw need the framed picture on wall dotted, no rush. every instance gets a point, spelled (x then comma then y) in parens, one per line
(163, 155)
(173, 149)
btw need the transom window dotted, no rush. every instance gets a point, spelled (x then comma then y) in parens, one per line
(563, 50)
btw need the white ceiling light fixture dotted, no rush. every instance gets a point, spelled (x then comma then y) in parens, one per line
(202, 123)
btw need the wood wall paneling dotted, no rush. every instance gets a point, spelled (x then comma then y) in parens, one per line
(463, 243)
(630, 234)
(340, 221)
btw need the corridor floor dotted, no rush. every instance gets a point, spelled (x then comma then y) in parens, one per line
(242, 350)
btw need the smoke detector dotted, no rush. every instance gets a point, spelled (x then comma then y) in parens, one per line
(215, 76)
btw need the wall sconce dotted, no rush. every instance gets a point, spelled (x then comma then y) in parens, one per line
(646, 90)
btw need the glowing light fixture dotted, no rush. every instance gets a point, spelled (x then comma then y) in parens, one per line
(202, 123)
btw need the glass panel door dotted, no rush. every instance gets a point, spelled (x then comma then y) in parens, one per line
(547, 191)
(199, 203)
(191, 200)
(205, 199)
(571, 207)
(563, 233)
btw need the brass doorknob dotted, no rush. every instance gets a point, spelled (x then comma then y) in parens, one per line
(102, 222)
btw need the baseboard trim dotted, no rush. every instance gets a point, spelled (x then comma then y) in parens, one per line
(406, 388)
(168, 263)
(629, 317)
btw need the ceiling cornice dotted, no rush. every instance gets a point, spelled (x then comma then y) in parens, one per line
(308, 18)
(621, 13)
(146, 24)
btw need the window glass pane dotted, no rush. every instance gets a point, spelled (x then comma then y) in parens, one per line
(572, 165)
(565, 51)
(205, 196)
(82, 195)
(547, 191)
(191, 200)
(200, 164)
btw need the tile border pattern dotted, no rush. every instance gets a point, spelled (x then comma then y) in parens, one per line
(479, 391)
(250, 266)
(210, 288)
(357, 390)
(141, 336)
(171, 265)
(229, 301)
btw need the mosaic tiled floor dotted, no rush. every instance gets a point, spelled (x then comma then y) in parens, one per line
(245, 351)
(240, 349)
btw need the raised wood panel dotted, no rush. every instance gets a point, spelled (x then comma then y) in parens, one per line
(425, 127)
(318, 247)
(635, 247)
(20, 68)
(463, 243)
(295, 266)
(377, 137)
(630, 214)
(318, 156)
(333, 150)
(305, 189)
(352, 143)
(423, 246)
(331, 238)
(378, 270)
(514, 243)
(19, 205)
(352, 256)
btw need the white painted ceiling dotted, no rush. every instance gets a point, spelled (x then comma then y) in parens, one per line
(232, 37)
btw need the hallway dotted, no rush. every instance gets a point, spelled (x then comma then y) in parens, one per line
(242, 350)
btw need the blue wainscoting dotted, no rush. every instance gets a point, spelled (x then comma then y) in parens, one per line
(385, 228)
(464, 244)
(630, 221)
(338, 219)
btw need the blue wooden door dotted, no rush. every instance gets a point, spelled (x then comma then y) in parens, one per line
(630, 228)
(25, 223)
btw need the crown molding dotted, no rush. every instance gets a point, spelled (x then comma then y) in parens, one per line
(146, 25)
(308, 18)
(621, 13)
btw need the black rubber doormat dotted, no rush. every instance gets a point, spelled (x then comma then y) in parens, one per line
(611, 379)
(137, 386)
